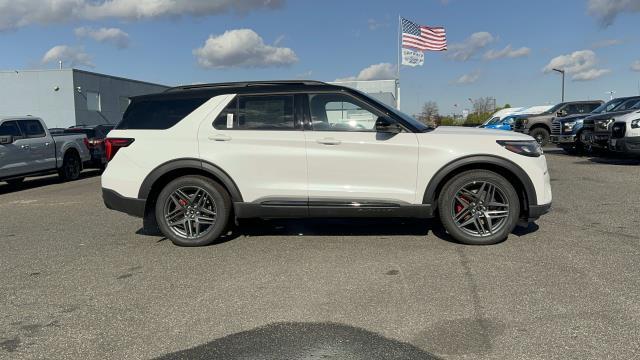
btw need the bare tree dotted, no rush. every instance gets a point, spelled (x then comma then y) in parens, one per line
(483, 105)
(429, 113)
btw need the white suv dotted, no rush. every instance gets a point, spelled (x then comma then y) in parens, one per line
(195, 158)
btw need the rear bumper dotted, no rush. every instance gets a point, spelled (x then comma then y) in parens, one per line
(114, 201)
(536, 211)
(630, 145)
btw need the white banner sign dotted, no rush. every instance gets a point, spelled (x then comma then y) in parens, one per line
(412, 57)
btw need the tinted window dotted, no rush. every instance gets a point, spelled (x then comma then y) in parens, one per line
(629, 104)
(10, 128)
(591, 107)
(31, 128)
(158, 114)
(227, 119)
(273, 112)
(572, 109)
(339, 112)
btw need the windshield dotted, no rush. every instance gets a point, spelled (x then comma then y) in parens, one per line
(608, 106)
(415, 123)
(553, 110)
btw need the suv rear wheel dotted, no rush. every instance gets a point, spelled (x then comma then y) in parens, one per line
(479, 207)
(193, 211)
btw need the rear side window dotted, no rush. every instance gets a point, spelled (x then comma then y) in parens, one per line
(10, 128)
(158, 114)
(31, 128)
(260, 112)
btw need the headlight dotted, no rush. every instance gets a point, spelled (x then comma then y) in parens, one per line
(603, 124)
(568, 126)
(523, 147)
(635, 124)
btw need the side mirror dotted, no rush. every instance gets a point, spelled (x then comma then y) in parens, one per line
(6, 139)
(562, 113)
(385, 125)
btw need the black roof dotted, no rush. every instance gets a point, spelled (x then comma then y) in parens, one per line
(213, 89)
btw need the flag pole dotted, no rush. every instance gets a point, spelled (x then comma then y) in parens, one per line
(399, 50)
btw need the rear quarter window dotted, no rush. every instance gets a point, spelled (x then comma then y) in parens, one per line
(158, 114)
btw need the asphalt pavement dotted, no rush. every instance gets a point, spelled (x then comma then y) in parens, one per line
(78, 281)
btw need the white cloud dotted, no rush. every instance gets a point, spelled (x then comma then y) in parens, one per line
(71, 56)
(113, 36)
(242, 48)
(581, 65)
(606, 11)
(19, 13)
(636, 65)
(507, 52)
(471, 46)
(382, 71)
(590, 74)
(468, 78)
(606, 43)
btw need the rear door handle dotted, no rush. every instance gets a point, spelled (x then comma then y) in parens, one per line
(329, 141)
(220, 137)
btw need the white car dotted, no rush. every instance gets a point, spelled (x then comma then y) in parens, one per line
(625, 134)
(195, 158)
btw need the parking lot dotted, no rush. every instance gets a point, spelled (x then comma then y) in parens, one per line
(80, 281)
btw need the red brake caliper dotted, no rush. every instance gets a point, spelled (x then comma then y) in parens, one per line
(459, 206)
(182, 202)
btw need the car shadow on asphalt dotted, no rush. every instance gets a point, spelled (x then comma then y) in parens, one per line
(338, 227)
(302, 340)
(32, 183)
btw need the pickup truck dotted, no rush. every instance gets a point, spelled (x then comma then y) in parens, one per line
(625, 134)
(539, 126)
(27, 148)
(597, 128)
(568, 132)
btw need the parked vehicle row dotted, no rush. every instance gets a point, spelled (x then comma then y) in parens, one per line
(504, 121)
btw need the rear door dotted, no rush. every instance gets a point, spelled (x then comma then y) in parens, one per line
(350, 164)
(258, 141)
(14, 157)
(40, 147)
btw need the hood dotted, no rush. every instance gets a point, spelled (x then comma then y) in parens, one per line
(469, 131)
(609, 115)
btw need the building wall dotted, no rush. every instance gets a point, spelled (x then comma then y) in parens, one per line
(383, 90)
(44, 93)
(113, 93)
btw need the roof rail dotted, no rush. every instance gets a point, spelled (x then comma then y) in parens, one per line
(245, 84)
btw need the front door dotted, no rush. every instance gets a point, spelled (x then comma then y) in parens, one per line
(14, 157)
(40, 146)
(349, 162)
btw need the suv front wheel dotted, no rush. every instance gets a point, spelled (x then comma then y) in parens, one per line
(479, 207)
(193, 211)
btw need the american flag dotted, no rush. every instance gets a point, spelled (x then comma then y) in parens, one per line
(423, 38)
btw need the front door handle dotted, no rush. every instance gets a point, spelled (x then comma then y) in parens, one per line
(220, 137)
(25, 147)
(329, 141)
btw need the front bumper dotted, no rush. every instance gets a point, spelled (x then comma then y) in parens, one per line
(114, 201)
(562, 139)
(598, 140)
(536, 211)
(629, 145)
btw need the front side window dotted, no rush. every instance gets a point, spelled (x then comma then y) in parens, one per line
(10, 128)
(339, 112)
(31, 128)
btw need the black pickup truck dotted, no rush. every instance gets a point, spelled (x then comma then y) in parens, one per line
(596, 129)
(539, 126)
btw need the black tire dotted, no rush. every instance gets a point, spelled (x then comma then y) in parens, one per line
(71, 167)
(219, 201)
(15, 182)
(448, 207)
(541, 135)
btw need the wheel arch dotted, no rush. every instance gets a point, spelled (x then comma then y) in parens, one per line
(164, 173)
(510, 170)
(540, 125)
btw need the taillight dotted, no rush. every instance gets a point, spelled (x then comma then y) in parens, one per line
(112, 145)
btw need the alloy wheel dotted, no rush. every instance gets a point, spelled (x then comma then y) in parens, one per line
(480, 208)
(190, 212)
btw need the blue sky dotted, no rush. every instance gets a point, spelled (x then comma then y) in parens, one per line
(158, 41)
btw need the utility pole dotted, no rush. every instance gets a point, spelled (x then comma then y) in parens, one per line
(561, 72)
